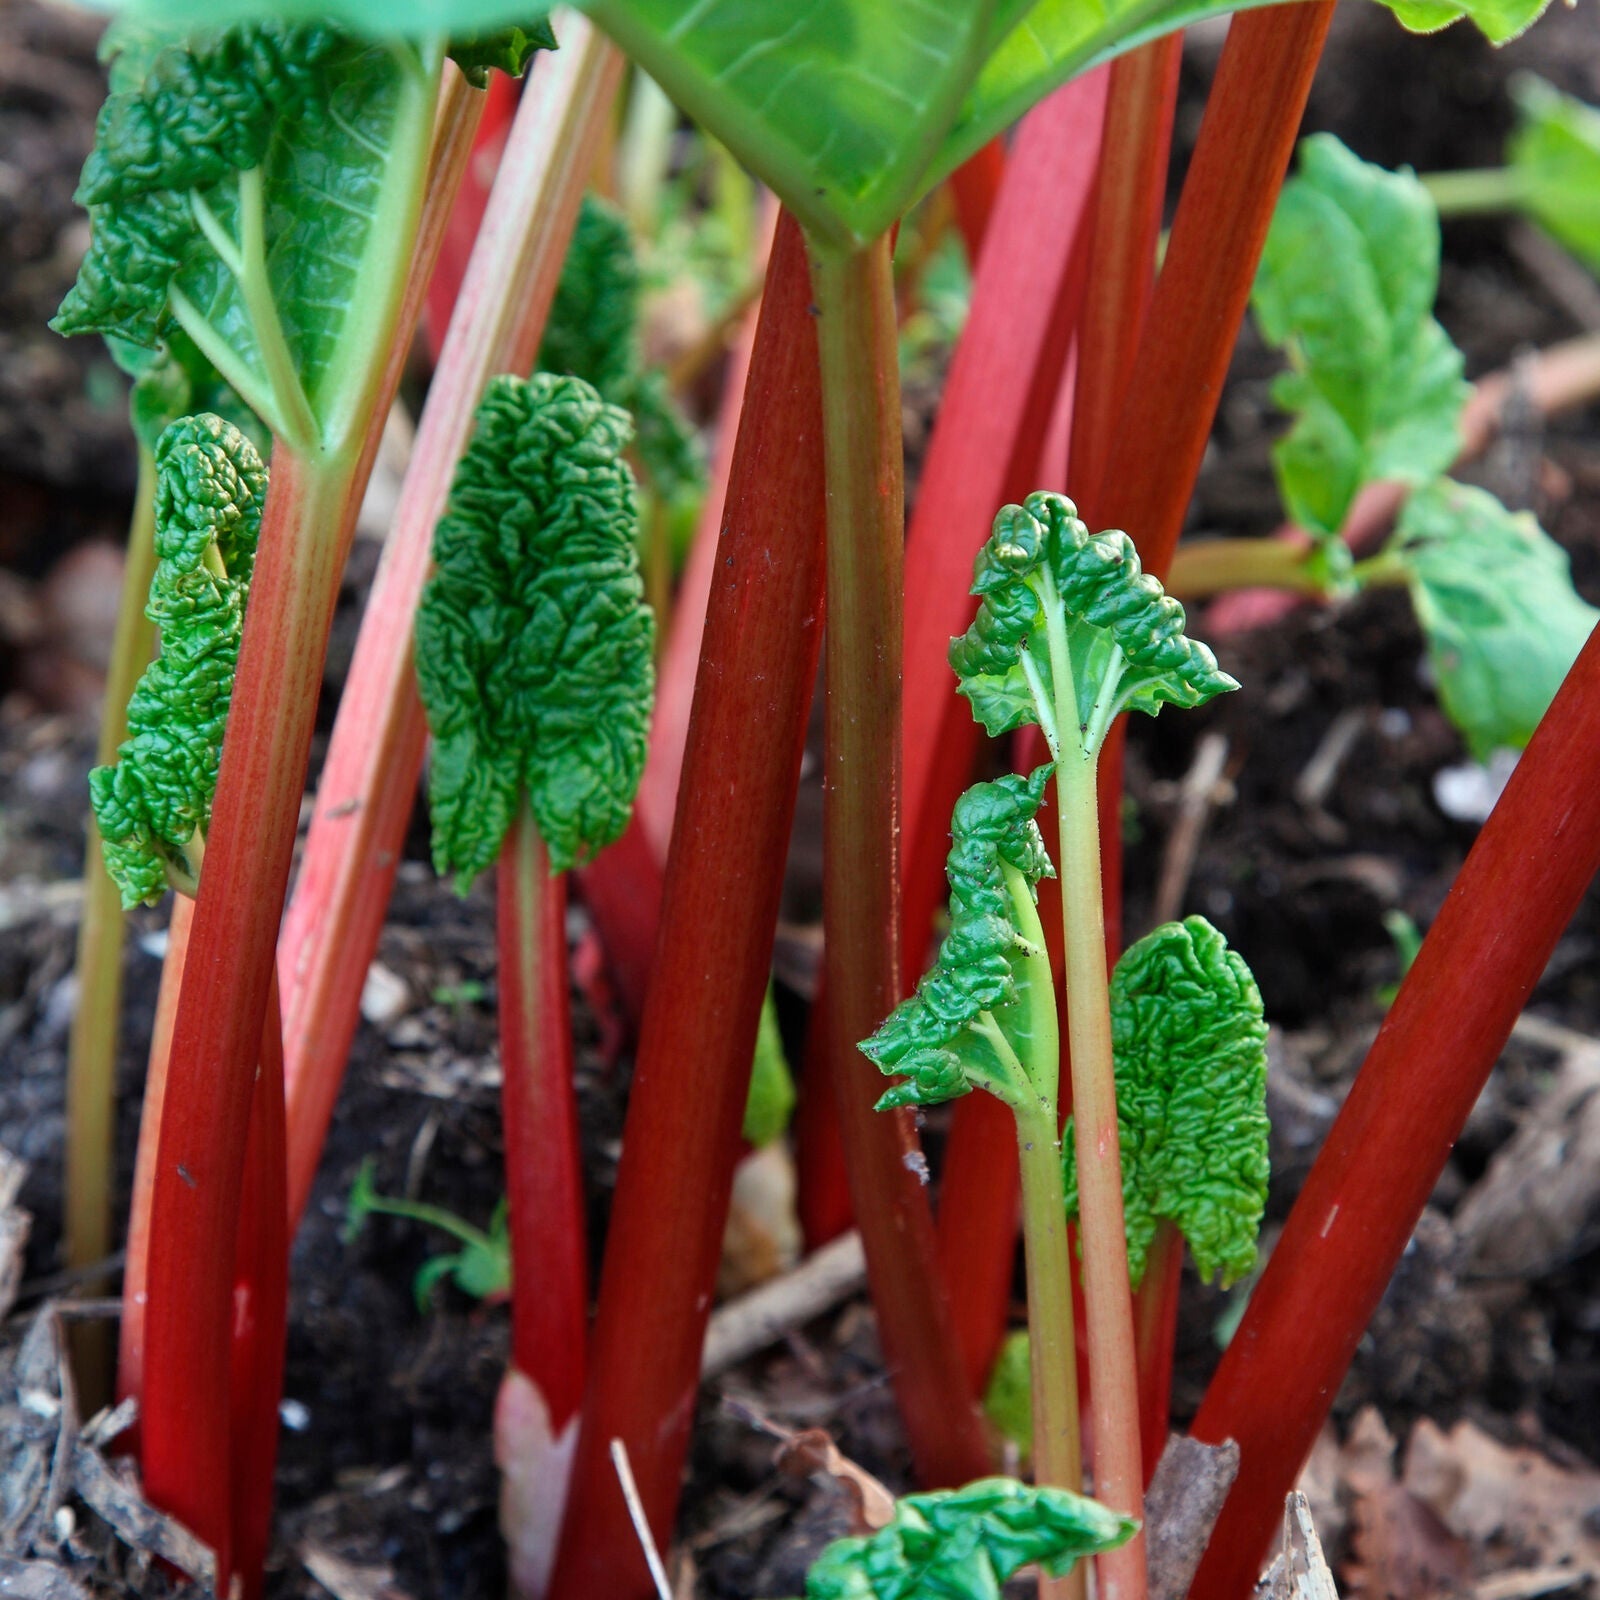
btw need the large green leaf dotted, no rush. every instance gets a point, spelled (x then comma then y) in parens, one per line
(1346, 289)
(1494, 595)
(1051, 590)
(534, 645)
(210, 486)
(934, 1040)
(1191, 1068)
(244, 191)
(963, 1544)
(1555, 155)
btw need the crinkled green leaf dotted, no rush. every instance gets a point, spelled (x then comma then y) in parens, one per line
(771, 1097)
(1555, 154)
(1346, 289)
(927, 1039)
(174, 381)
(306, 107)
(1191, 1066)
(1494, 595)
(963, 1544)
(1497, 20)
(593, 334)
(210, 487)
(507, 50)
(1124, 633)
(534, 646)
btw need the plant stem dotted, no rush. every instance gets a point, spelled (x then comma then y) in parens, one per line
(1155, 1315)
(692, 1072)
(223, 1004)
(1052, 1337)
(1205, 567)
(92, 1049)
(368, 785)
(1476, 192)
(856, 342)
(1522, 881)
(1113, 1389)
(544, 1190)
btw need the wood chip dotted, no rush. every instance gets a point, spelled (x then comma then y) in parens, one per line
(1300, 1570)
(763, 1316)
(38, 1580)
(120, 1504)
(809, 1451)
(15, 1225)
(350, 1580)
(1181, 1508)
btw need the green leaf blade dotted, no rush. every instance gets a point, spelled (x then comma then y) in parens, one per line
(1555, 153)
(534, 647)
(927, 1039)
(963, 1544)
(1494, 595)
(1189, 1041)
(1346, 288)
(210, 489)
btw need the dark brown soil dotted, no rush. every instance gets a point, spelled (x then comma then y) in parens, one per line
(384, 1458)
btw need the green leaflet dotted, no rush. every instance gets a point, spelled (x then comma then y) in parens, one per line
(771, 1097)
(534, 647)
(239, 190)
(174, 381)
(1191, 1066)
(1052, 590)
(930, 1039)
(593, 334)
(209, 491)
(1494, 595)
(963, 1544)
(1346, 288)
(1554, 155)
(1008, 1395)
(1497, 20)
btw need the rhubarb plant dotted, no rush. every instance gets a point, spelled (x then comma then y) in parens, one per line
(964, 1544)
(534, 657)
(1069, 632)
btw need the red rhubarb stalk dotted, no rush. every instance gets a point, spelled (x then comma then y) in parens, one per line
(719, 914)
(369, 781)
(536, 1413)
(856, 335)
(1516, 892)
(975, 186)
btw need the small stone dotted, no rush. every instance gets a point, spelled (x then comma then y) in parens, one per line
(385, 996)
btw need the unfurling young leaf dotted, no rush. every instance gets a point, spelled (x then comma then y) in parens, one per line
(1494, 595)
(935, 1039)
(1346, 288)
(1053, 592)
(593, 334)
(534, 647)
(210, 487)
(1554, 155)
(963, 1544)
(237, 191)
(1191, 1066)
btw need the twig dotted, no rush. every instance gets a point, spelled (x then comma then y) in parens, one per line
(641, 1523)
(1197, 795)
(762, 1317)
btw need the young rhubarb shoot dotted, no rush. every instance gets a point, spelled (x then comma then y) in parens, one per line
(985, 1017)
(963, 1544)
(1069, 633)
(534, 657)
